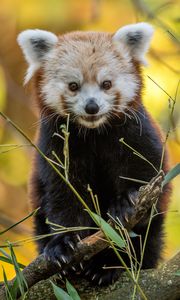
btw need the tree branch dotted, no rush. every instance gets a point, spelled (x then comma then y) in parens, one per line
(41, 269)
(162, 283)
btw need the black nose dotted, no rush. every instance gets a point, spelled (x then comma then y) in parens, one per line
(91, 107)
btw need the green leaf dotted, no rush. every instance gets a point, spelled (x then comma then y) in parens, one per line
(171, 174)
(177, 273)
(9, 261)
(11, 291)
(7, 287)
(72, 291)
(60, 293)
(108, 230)
(7, 258)
(4, 253)
(22, 284)
(14, 289)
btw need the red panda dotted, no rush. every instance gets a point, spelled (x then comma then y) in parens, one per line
(95, 77)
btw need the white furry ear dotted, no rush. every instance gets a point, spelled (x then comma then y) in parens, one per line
(136, 38)
(35, 45)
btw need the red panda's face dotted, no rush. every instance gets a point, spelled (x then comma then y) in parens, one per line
(89, 75)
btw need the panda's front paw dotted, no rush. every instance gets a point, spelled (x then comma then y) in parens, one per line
(124, 206)
(60, 250)
(97, 274)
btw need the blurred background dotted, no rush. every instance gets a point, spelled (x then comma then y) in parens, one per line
(61, 16)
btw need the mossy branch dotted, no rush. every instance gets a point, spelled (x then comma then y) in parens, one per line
(162, 283)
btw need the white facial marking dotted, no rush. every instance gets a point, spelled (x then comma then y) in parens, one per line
(128, 86)
(92, 124)
(52, 92)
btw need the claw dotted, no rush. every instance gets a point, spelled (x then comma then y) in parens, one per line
(94, 276)
(78, 237)
(87, 273)
(81, 266)
(71, 246)
(64, 272)
(73, 268)
(100, 281)
(63, 258)
(58, 263)
(126, 218)
(131, 200)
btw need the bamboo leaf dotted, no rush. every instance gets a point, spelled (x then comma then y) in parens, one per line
(7, 288)
(177, 273)
(4, 253)
(22, 284)
(60, 293)
(7, 258)
(72, 291)
(171, 174)
(108, 230)
(9, 261)
(14, 289)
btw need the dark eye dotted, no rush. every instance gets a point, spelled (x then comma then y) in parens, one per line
(73, 86)
(106, 85)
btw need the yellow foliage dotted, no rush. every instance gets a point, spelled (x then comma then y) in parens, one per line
(14, 167)
(2, 90)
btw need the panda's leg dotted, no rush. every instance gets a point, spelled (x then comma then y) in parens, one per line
(40, 229)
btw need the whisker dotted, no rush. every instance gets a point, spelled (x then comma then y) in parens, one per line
(138, 112)
(131, 114)
(123, 112)
(43, 119)
(138, 120)
(56, 123)
(134, 114)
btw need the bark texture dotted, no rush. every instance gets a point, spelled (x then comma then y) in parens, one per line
(157, 284)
